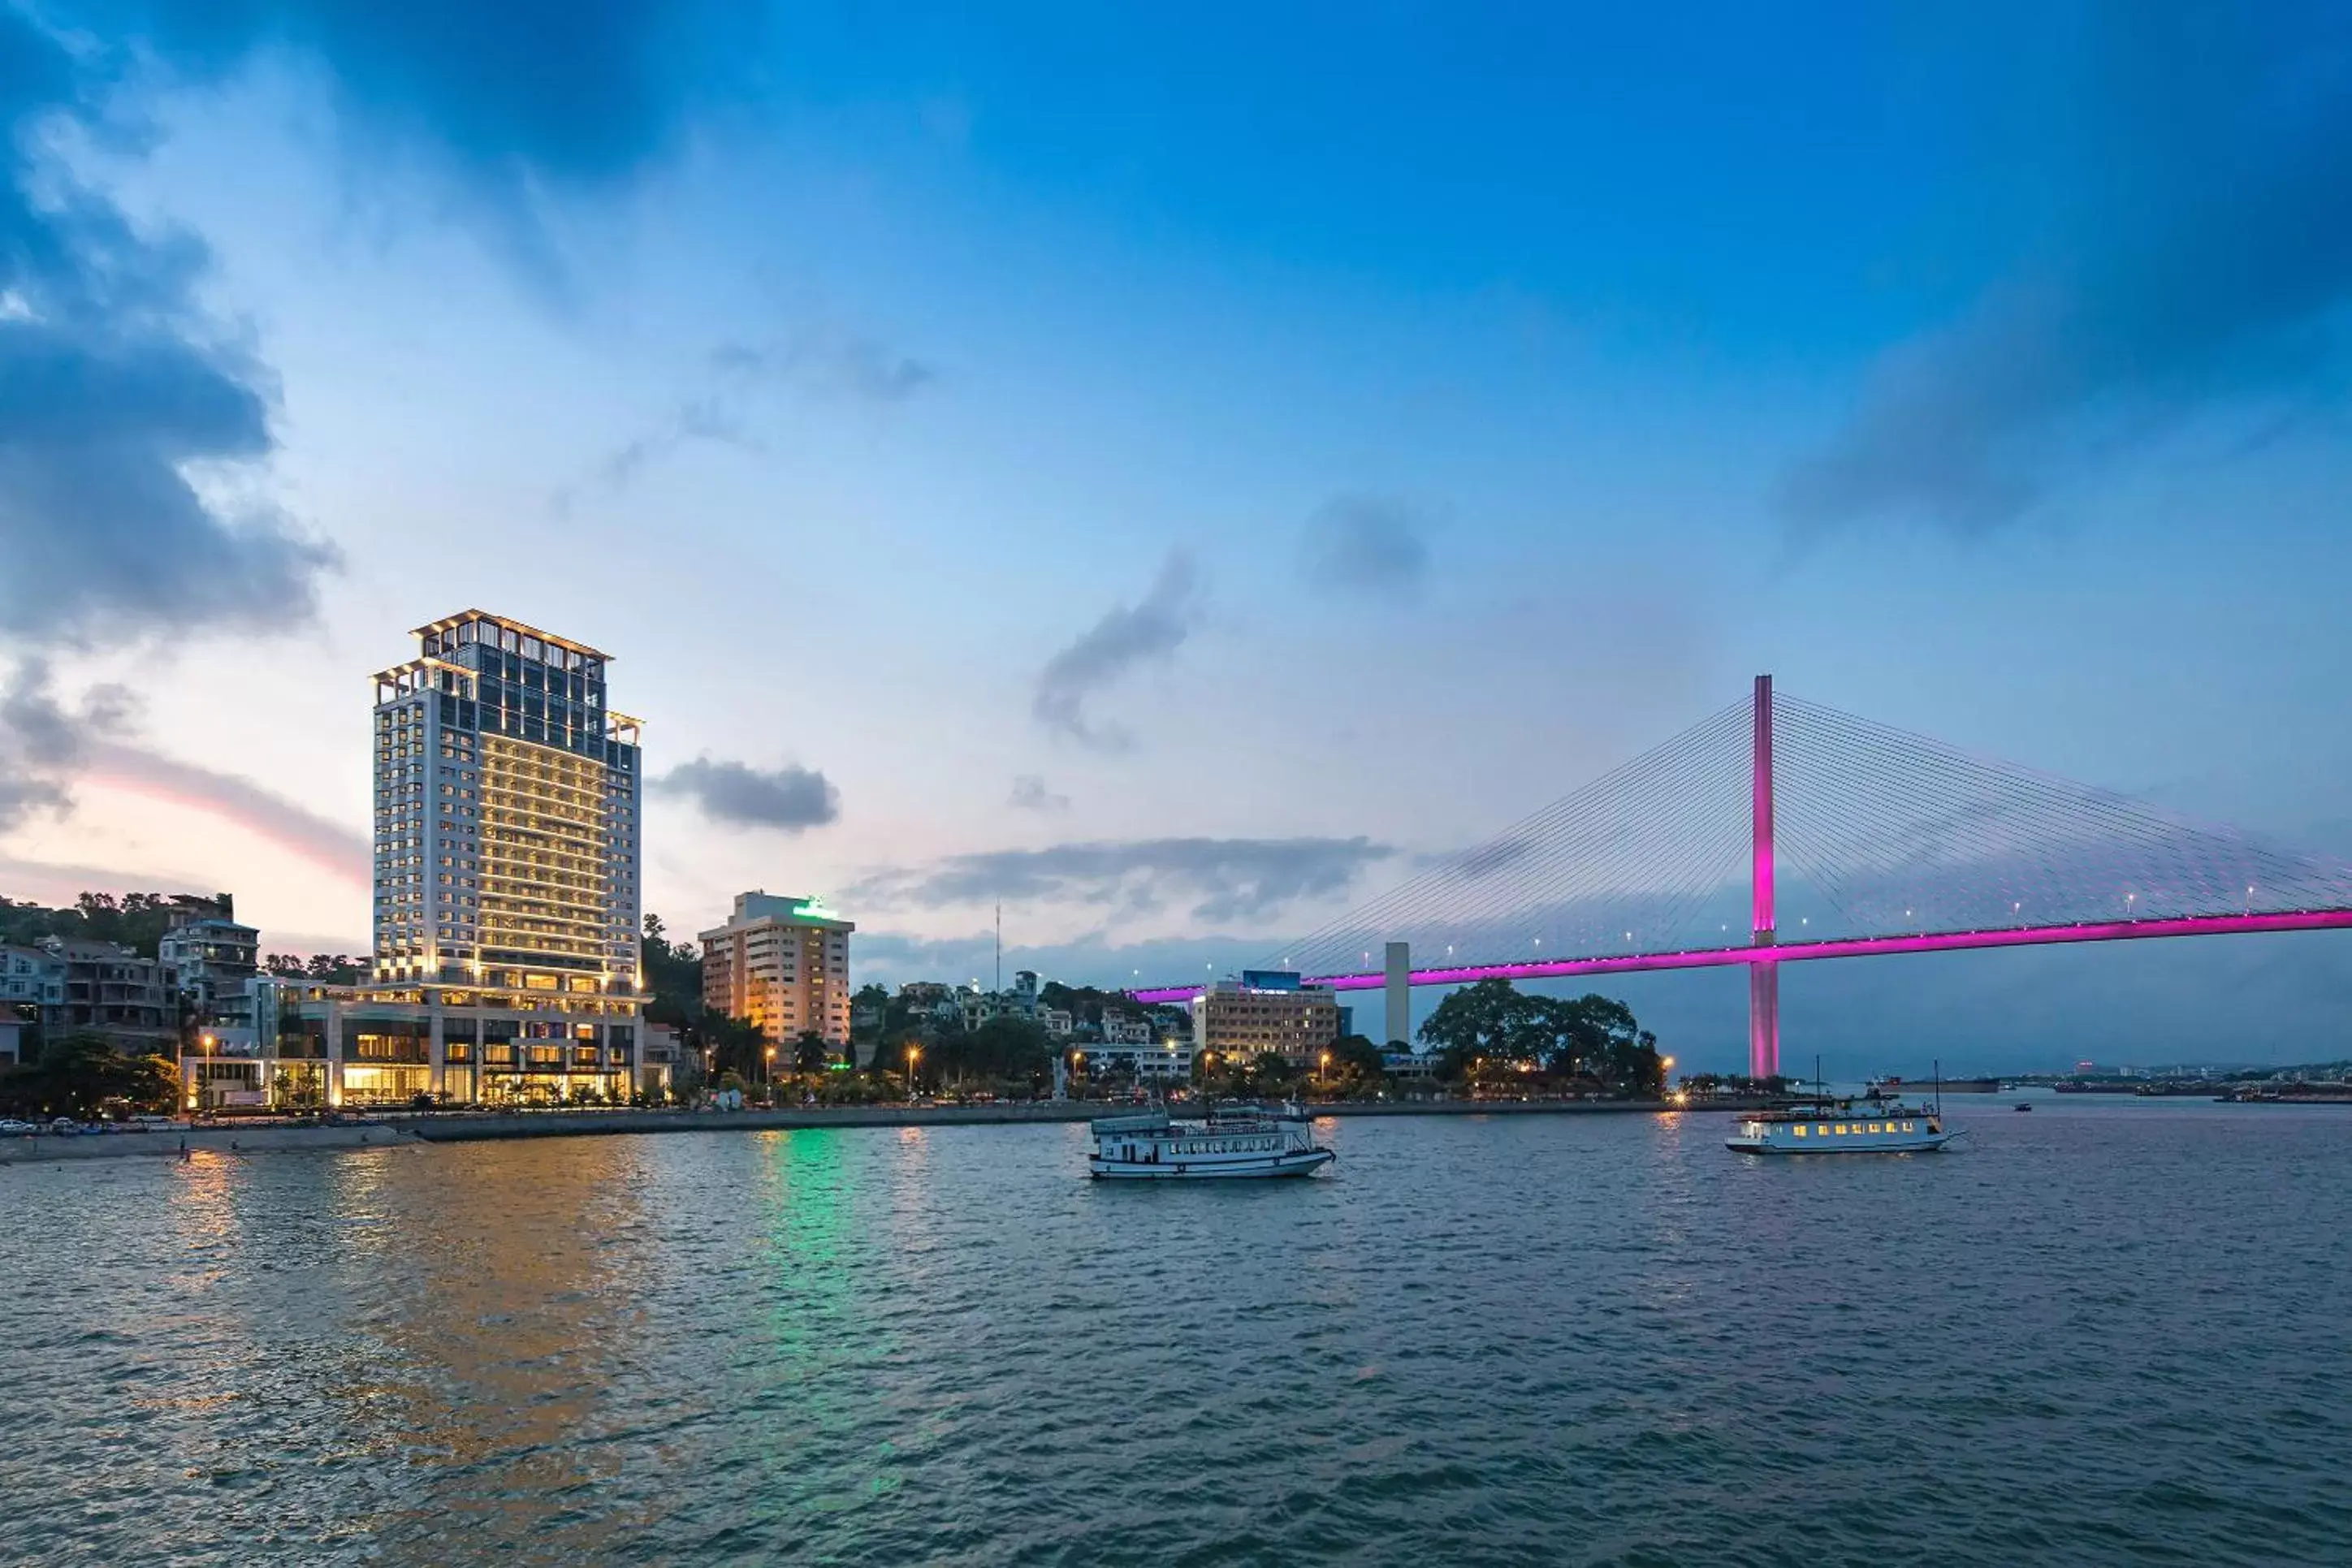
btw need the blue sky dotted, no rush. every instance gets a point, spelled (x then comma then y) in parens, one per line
(1259, 447)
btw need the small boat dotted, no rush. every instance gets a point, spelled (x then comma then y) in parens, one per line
(1827, 1126)
(1226, 1144)
(2020, 1105)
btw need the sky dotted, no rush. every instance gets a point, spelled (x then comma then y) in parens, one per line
(1174, 471)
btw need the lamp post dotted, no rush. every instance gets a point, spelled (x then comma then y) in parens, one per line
(914, 1054)
(768, 1073)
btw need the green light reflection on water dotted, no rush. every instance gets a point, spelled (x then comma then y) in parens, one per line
(822, 1340)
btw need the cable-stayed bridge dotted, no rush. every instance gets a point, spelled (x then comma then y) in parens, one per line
(1778, 831)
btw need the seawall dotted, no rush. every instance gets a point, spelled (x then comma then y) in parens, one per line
(585, 1123)
(212, 1140)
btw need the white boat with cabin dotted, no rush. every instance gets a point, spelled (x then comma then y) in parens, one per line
(1843, 1127)
(1227, 1143)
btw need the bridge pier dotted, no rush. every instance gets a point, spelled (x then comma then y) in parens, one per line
(1397, 992)
(1764, 975)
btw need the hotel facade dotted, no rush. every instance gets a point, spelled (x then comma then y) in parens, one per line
(783, 963)
(507, 849)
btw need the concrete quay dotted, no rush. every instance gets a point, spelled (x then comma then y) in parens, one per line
(227, 1142)
(466, 1128)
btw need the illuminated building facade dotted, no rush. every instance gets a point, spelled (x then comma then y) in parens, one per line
(508, 906)
(1266, 1011)
(781, 963)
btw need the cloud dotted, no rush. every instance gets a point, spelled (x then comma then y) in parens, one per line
(697, 419)
(337, 848)
(117, 398)
(1123, 639)
(1225, 879)
(2208, 251)
(1029, 794)
(43, 743)
(45, 748)
(789, 798)
(510, 95)
(828, 362)
(1370, 545)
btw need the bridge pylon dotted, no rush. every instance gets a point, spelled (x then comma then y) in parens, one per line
(1764, 974)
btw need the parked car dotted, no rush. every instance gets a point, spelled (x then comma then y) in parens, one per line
(12, 1128)
(64, 1126)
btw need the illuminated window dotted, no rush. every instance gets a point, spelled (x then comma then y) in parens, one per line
(1841, 1131)
(1800, 1132)
(1906, 1126)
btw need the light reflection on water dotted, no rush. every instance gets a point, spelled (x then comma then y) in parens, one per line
(2105, 1334)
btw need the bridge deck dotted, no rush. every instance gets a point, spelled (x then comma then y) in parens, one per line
(1840, 947)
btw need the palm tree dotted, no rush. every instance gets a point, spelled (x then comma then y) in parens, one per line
(810, 1052)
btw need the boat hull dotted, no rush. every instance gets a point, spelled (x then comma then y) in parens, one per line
(1898, 1144)
(1295, 1163)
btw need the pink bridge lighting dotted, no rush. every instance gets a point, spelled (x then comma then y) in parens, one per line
(1847, 948)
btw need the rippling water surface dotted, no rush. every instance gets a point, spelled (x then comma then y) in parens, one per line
(2104, 1334)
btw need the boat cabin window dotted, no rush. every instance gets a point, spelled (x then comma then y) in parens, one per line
(1800, 1130)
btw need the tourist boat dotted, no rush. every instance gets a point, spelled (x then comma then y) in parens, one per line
(1841, 1127)
(1230, 1142)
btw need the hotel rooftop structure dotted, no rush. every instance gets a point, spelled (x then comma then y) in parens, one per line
(508, 906)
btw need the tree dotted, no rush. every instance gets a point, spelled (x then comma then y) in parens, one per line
(810, 1052)
(869, 1017)
(1005, 1047)
(1593, 1039)
(83, 1073)
(673, 978)
(1487, 1022)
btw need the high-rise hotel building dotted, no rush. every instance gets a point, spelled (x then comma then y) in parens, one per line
(507, 795)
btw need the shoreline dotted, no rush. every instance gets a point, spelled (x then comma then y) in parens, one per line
(409, 1130)
(212, 1141)
(585, 1123)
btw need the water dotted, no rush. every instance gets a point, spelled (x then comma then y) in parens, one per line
(2107, 1333)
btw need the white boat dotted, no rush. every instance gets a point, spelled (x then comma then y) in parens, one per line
(1226, 1144)
(1841, 1127)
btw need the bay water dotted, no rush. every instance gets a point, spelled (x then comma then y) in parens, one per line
(2103, 1333)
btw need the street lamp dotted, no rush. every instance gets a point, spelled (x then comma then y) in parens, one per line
(914, 1054)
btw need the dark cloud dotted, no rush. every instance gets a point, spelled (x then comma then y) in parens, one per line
(2207, 249)
(789, 798)
(1223, 879)
(42, 745)
(512, 94)
(1029, 794)
(114, 390)
(1370, 545)
(1126, 637)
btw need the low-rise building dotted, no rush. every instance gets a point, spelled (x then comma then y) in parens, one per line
(782, 965)
(1268, 1012)
(32, 995)
(212, 961)
(657, 1064)
(114, 993)
(1125, 1029)
(1164, 1060)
